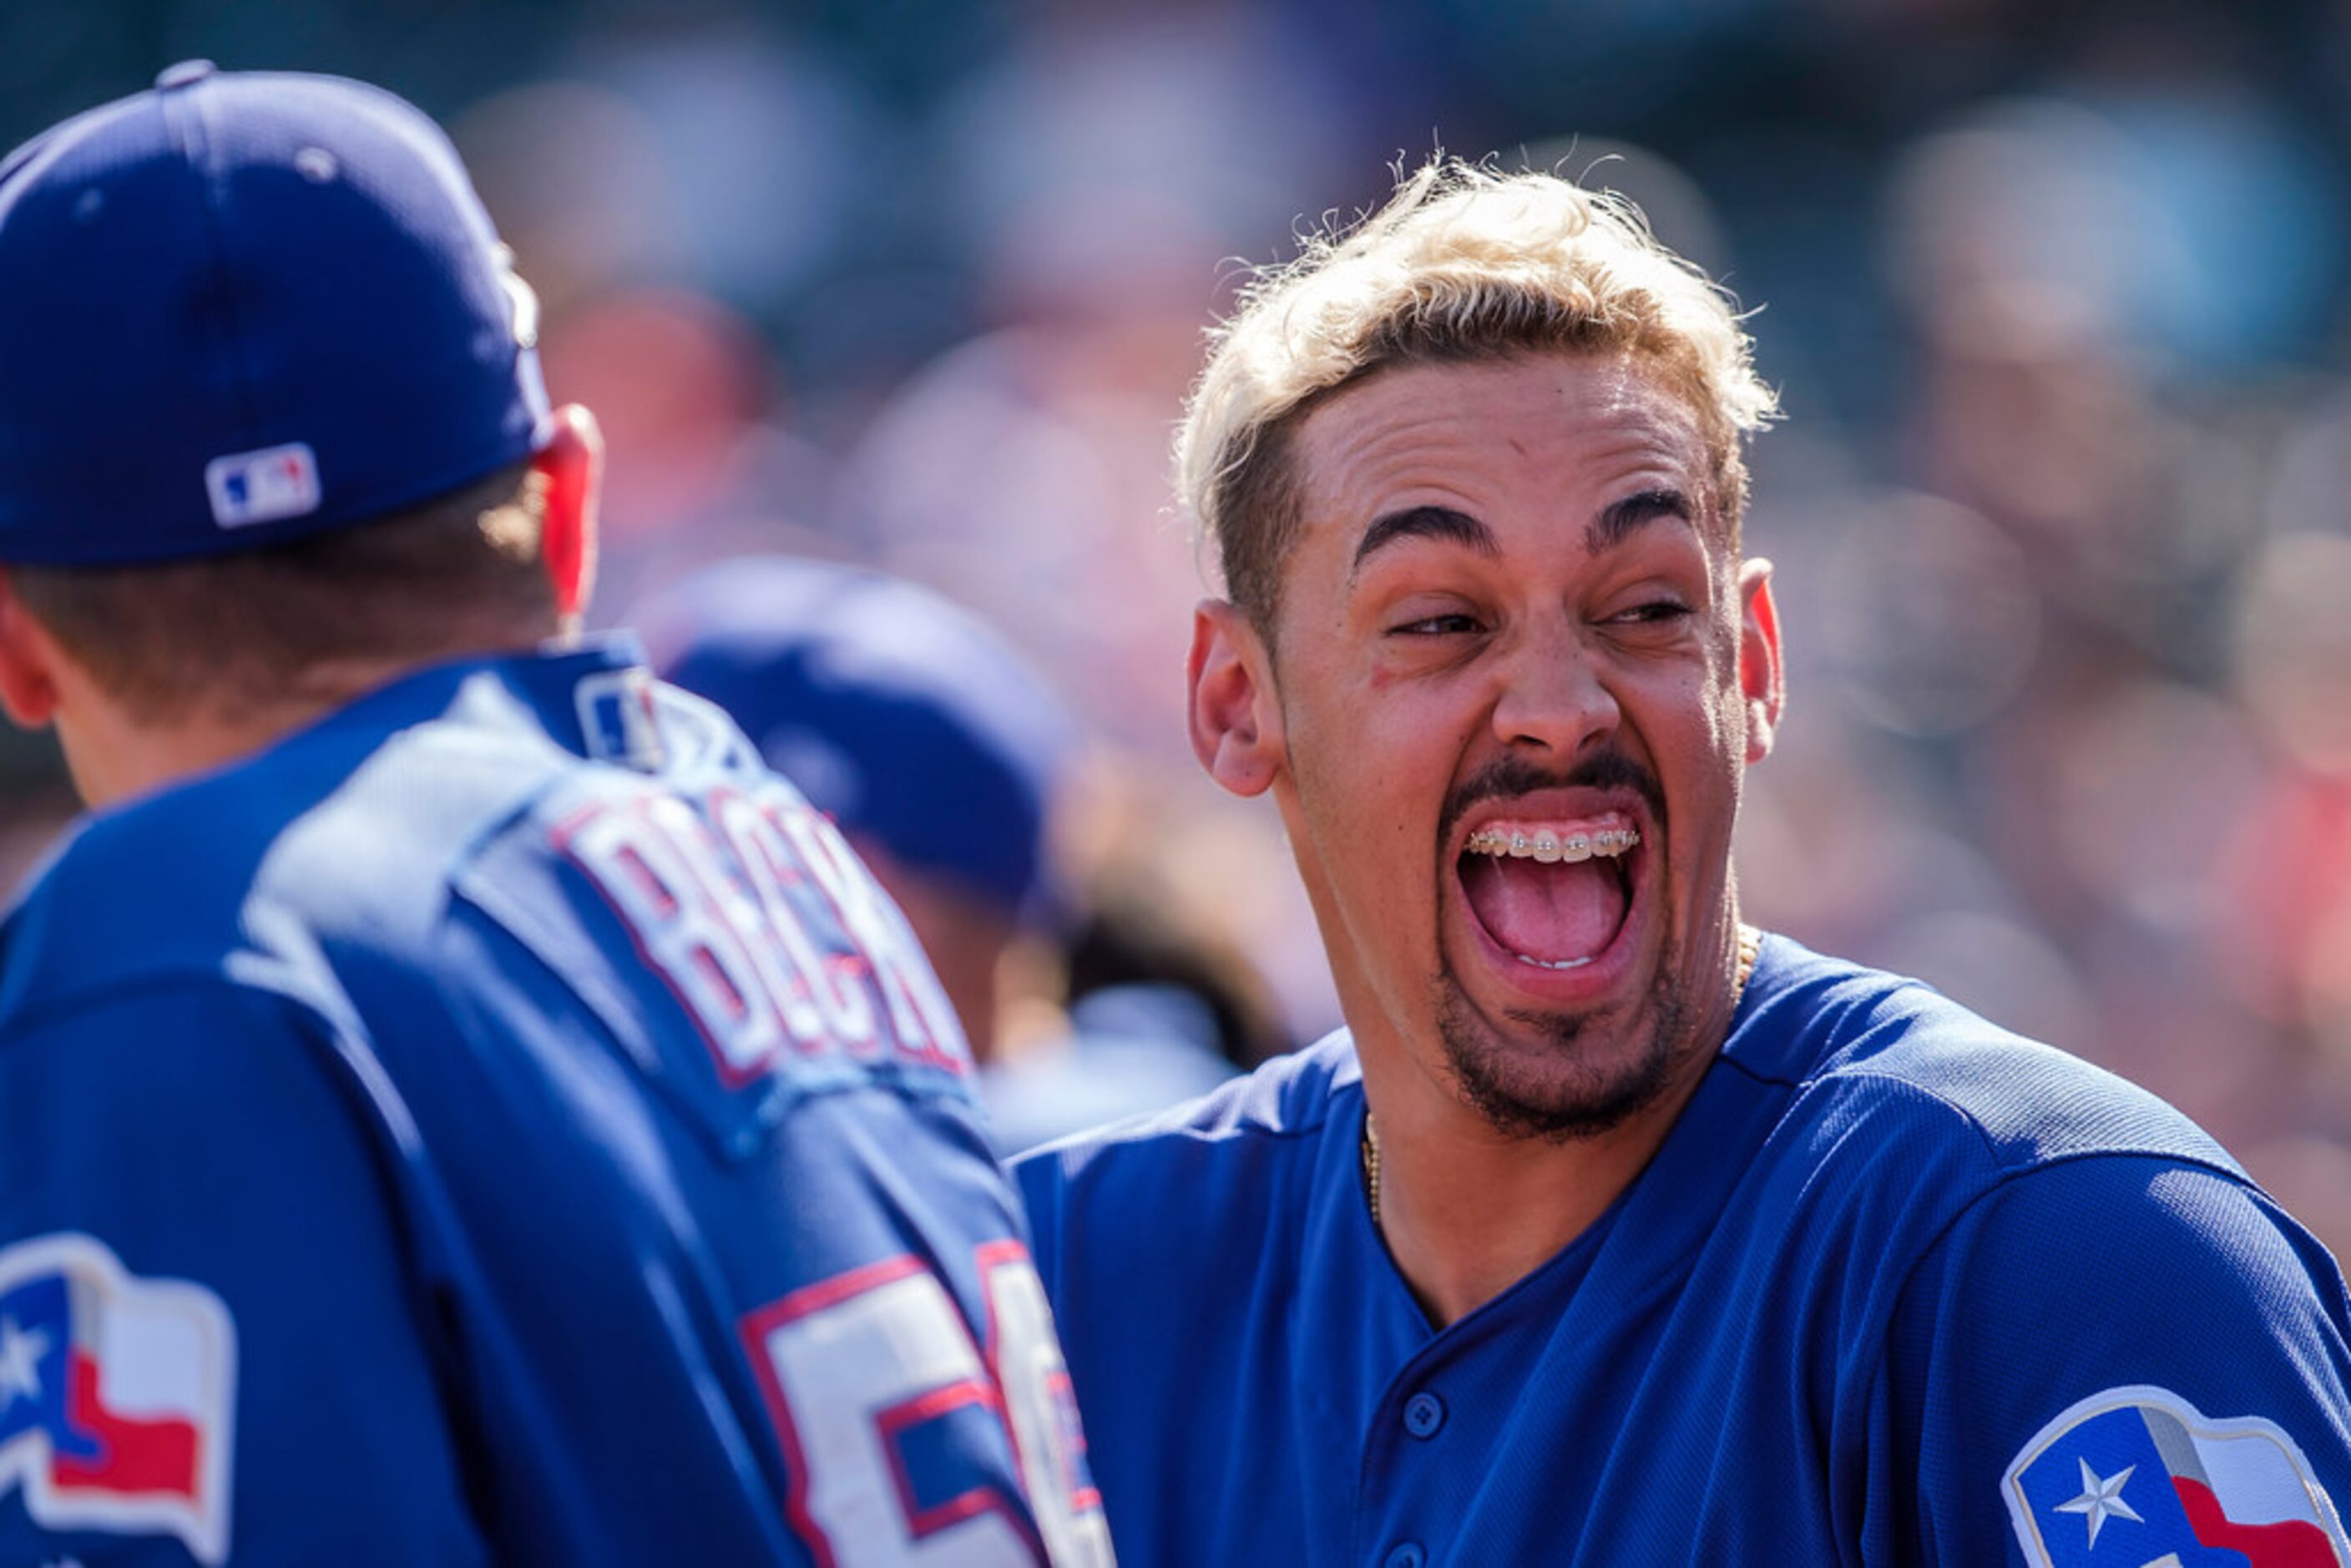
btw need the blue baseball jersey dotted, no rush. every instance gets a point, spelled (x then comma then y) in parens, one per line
(502, 1124)
(1898, 1288)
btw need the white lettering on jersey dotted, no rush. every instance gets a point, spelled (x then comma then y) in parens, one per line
(657, 865)
(1039, 1406)
(857, 1366)
(837, 989)
(919, 1011)
(729, 916)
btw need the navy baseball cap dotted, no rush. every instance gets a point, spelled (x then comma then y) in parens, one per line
(900, 713)
(242, 308)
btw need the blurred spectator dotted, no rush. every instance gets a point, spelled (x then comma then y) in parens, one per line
(702, 465)
(941, 756)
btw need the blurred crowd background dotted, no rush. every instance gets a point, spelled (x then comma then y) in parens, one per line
(2056, 292)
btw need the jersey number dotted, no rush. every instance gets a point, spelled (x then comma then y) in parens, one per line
(870, 1376)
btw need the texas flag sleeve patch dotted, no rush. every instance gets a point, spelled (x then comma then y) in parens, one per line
(2138, 1478)
(116, 1396)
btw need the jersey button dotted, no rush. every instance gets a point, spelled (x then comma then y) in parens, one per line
(1405, 1554)
(1423, 1415)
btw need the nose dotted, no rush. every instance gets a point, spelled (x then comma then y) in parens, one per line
(1552, 703)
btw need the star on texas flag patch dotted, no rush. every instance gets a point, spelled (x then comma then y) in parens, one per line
(116, 1396)
(2138, 1478)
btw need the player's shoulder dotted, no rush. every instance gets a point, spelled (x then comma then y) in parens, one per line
(1861, 1046)
(2082, 1303)
(1165, 1192)
(1288, 1099)
(147, 893)
(1243, 1144)
(338, 827)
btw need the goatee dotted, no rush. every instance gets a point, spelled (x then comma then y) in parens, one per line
(1557, 1098)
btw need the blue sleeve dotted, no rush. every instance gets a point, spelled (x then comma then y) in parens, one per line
(1038, 1178)
(2112, 1359)
(210, 1349)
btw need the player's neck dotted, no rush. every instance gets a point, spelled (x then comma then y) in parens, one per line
(1468, 1214)
(115, 755)
(1467, 1210)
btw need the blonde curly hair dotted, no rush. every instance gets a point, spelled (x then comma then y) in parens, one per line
(1462, 263)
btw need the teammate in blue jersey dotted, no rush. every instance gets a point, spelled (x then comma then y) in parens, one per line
(1611, 1231)
(455, 1106)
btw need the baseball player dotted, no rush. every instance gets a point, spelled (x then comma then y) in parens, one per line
(455, 1106)
(1611, 1231)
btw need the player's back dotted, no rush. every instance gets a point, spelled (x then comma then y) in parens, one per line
(504, 1122)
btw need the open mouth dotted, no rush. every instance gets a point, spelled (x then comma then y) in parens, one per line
(1553, 894)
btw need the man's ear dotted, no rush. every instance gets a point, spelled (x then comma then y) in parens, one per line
(1762, 681)
(571, 468)
(28, 686)
(1235, 714)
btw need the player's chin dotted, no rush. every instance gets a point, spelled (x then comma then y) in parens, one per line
(1555, 1075)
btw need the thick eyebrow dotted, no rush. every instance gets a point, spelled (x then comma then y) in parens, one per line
(1425, 523)
(1618, 520)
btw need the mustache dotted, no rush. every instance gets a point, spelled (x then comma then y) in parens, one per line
(1508, 777)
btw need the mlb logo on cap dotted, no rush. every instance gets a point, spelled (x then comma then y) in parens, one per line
(263, 486)
(116, 1394)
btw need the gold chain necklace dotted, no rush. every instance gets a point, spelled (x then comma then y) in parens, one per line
(1749, 941)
